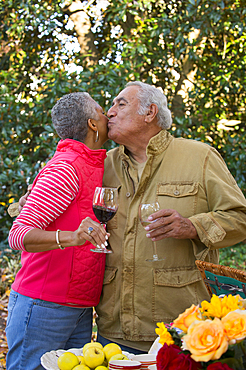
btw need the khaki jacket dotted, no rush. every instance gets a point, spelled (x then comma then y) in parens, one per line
(192, 178)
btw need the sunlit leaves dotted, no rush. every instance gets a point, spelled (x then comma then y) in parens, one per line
(194, 50)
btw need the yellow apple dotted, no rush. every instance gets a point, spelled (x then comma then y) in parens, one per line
(101, 367)
(81, 359)
(81, 367)
(93, 357)
(119, 356)
(67, 361)
(111, 349)
(93, 345)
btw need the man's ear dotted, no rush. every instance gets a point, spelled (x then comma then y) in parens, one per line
(151, 113)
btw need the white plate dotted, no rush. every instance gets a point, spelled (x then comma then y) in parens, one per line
(49, 359)
(145, 358)
(152, 367)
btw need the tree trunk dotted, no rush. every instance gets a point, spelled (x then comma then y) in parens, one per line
(186, 79)
(78, 13)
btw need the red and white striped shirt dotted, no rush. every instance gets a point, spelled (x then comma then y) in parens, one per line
(55, 189)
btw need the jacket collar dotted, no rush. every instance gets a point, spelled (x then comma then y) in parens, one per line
(156, 145)
(92, 156)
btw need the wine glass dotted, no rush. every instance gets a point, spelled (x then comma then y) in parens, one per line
(145, 210)
(105, 205)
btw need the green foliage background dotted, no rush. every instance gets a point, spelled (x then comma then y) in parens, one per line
(166, 43)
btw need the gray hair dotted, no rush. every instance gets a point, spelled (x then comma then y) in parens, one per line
(148, 95)
(71, 113)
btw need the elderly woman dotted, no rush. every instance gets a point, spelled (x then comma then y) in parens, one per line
(50, 304)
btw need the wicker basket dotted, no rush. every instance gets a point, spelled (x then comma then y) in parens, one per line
(218, 279)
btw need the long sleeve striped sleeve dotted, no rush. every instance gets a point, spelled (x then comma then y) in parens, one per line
(55, 189)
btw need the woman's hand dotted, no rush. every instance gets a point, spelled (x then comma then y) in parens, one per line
(38, 240)
(91, 231)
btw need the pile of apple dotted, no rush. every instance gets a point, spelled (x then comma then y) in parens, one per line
(94, 356)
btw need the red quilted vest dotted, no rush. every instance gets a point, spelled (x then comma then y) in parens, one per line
(73, 275)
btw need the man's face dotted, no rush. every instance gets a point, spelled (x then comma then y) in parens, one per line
(124, 122)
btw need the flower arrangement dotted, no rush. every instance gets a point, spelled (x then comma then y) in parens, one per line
(210, 336)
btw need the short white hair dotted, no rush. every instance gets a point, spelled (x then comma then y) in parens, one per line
(70, 115)
(148, 95)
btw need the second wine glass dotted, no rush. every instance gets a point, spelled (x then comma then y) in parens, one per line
(145, 210)
(105, 205)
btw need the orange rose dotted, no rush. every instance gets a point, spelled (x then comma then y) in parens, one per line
(206, 340)
(235, 325)
(186, 318)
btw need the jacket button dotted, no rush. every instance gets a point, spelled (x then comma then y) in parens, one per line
(128, 194)
(127, 270)
(176, 192)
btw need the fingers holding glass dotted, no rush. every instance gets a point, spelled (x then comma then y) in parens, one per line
(93, 232)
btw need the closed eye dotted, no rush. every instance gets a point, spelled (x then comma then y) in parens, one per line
(120, 101)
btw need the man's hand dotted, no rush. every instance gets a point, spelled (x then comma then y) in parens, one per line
(22, 200)
(15, 208)
(168, 223)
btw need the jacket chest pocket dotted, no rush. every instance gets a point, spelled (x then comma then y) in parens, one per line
(181, 196)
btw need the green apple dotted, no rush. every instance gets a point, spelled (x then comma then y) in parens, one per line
(119, 356)
(67, 361)
(110, 350)
(93, 357)
(93, 345)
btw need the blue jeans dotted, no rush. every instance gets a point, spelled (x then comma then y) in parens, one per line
(35, 327)
(105, 341)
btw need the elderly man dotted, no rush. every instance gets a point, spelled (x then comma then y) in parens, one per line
(201, 210)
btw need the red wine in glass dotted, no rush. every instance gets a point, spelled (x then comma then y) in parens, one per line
(105, 205)
(103, 214)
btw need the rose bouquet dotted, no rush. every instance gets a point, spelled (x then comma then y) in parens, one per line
(210, 336)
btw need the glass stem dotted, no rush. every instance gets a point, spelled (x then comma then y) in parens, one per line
(155, 248)
(155, 256)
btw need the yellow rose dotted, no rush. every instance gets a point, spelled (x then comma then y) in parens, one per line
(186, 318)
(235, 325)
(206, 340)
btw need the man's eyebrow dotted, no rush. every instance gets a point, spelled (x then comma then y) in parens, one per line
(118, 100)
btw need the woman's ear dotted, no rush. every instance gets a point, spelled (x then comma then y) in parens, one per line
(92, 124)
(151, 113)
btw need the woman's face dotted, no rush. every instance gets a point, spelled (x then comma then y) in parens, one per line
(102, 124)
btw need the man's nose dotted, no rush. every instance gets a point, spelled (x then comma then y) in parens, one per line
(111, 112)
